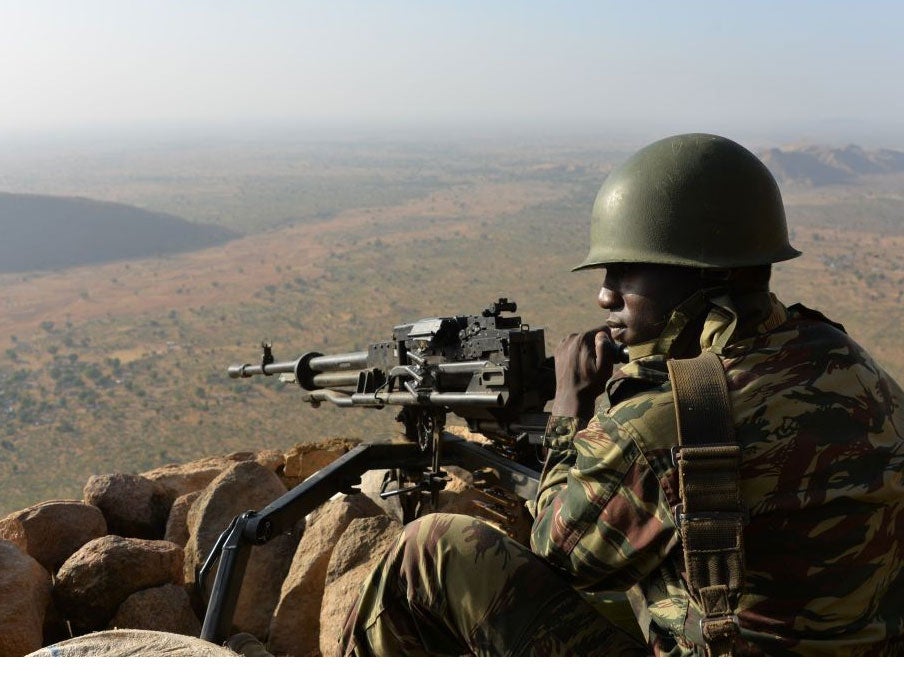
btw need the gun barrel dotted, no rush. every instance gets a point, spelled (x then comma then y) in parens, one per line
(247, 370)
(312, 364)
(400, 398)
(334, 379)
(339, 361)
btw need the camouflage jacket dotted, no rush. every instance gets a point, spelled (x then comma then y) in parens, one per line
(821, 429)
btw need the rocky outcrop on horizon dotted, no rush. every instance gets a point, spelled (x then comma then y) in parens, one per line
(824, 165)
(127, 556)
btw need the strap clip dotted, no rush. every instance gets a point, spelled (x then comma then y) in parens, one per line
(676, 450)
(681, 516)
(722, 627)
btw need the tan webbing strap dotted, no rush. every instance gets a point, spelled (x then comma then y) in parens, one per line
(711, 515)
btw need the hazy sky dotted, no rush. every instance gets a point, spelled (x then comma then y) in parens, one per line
(763, 66)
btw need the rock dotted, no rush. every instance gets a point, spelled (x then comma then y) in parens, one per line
(162, 608)
(124, 580)
(456, 496)
(96, 579)
(466, 434)
(177, 522)
(179, 479)
(307, 458)
(132, 505)
(355, 555)
(24, 597)
(245, 486)
(295, 628)
(275, 460)
(133, 643)
(371, 486)
(52, 531)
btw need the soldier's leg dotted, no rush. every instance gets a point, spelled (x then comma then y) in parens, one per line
(453, 585)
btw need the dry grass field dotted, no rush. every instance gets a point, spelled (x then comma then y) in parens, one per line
(122, 366)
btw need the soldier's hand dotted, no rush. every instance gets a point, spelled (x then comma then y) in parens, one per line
(584, 363)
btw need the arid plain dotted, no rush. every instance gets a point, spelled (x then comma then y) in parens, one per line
(121, 366)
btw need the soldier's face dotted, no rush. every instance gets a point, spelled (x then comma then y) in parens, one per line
(640, 298)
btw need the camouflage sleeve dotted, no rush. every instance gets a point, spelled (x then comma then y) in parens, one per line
(558, 439)
(599, 514)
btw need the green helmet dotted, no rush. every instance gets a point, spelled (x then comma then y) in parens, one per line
(689, 200)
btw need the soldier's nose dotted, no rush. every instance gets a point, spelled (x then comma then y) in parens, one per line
(608, 299)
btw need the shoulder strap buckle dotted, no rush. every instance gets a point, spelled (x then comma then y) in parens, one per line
(711, 515)
(719, 633)
(742, 516)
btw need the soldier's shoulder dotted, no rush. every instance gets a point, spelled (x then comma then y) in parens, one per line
(800, 313)
(647, 415)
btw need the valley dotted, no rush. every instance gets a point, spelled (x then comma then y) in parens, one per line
(121, 366)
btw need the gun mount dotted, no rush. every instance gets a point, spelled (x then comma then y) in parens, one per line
(489, 369)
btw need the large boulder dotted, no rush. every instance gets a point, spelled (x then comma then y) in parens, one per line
(133, 643)
(24, 596)
(357, 552)
(96, 579)
(305, 459)
(295, 628)
(52, 531)
(132, 505)
(275, 460)
(194, 476)
(243, 487)
(177, 522)
(162, 608)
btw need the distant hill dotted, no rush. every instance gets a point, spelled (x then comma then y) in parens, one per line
(45, 232)
(820, 165)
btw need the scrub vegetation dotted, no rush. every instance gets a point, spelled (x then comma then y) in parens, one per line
(121, 366)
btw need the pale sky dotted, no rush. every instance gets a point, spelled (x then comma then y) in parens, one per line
(809, 65)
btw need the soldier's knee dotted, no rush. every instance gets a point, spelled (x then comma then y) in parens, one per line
(442, 538)
(432, 531)
(440, 528)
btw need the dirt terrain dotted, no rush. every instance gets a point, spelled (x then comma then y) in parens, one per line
(122, 366)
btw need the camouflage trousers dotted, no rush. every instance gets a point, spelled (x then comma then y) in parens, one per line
(454, 586)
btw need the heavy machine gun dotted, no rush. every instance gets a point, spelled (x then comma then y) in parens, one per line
(489, 369)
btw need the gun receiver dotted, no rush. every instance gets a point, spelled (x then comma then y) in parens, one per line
(489, 369)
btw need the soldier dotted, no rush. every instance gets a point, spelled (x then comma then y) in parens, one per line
(740, 477)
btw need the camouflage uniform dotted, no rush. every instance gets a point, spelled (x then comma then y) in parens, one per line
(821, 427)
(454, 586)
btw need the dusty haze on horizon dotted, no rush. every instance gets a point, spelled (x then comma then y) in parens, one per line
(769, 72)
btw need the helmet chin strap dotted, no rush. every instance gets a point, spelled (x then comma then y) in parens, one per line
(717, 275)
(718, 327)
